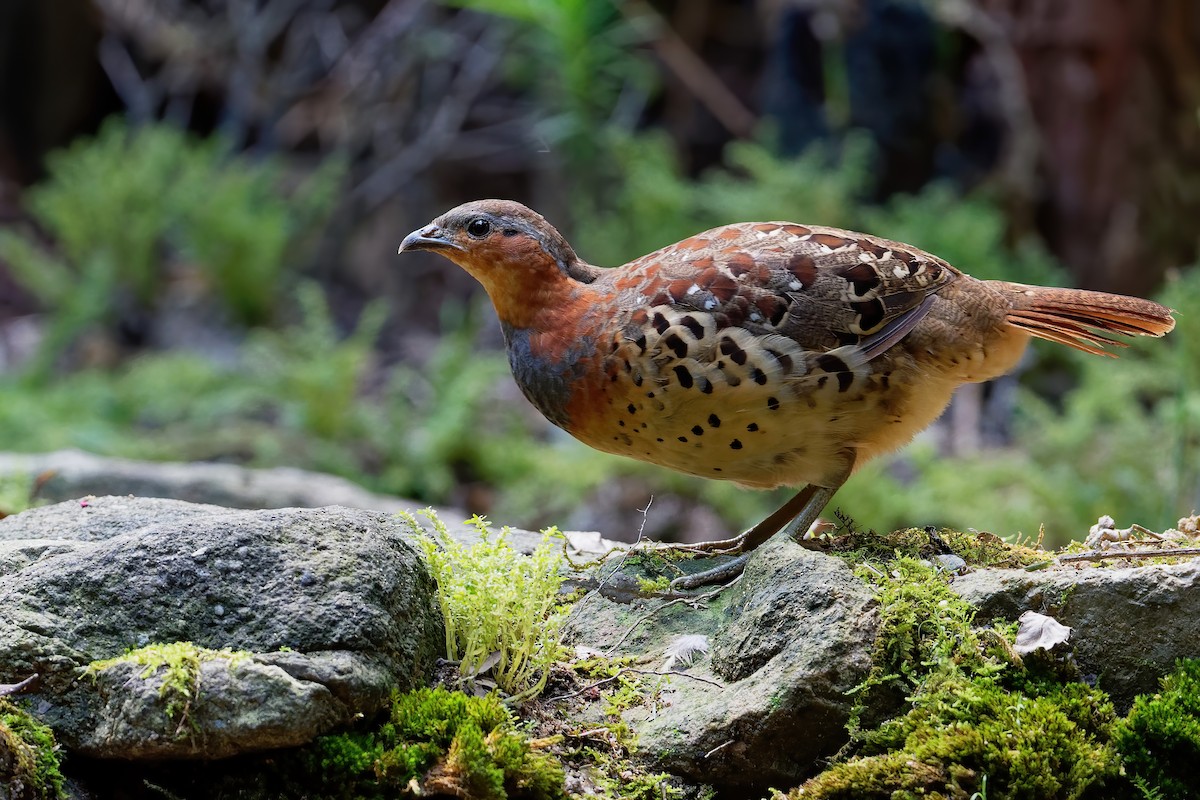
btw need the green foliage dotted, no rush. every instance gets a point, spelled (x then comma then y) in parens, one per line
(577, 57)
(655, 205)
(501, 608)
(977, 720)
(123, 206)
(29, 761)
(17, 493)
(1160, 739)
(313, 373)
(436, 742)
(176, 665)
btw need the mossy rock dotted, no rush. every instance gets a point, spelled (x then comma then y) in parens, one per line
(29, 764)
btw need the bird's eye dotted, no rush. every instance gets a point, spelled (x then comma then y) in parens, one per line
(479, 227)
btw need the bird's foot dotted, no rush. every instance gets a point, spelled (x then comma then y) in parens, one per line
(722, 573)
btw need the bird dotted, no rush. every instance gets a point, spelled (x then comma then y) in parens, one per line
(769, 354)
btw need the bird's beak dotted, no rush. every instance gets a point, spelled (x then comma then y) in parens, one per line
(431, 237)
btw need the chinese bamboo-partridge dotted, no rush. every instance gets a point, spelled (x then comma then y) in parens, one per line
(764, 353)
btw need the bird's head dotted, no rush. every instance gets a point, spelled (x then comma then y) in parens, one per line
(513, 251)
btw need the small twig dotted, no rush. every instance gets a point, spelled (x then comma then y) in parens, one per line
(689, 599)
(1101, 555)
(673, 674)
(622, 671)
(694, 73)
(587, 688)
(718, 747)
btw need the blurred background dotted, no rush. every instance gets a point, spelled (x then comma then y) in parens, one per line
(201, 200)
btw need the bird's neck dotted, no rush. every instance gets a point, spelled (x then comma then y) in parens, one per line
(527, 294)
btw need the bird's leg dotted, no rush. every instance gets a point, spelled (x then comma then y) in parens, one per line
(792, 519)
(811, 500)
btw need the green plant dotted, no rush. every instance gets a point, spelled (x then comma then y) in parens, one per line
(176, 666)
(437, 742)
(313, 373)
(501, 608)
(130, 209)
(1160, 738)
(576, 55)
(17, 493)
(977, 720)
(29, 762)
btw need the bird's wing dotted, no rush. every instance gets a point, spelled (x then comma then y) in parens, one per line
(820, 288)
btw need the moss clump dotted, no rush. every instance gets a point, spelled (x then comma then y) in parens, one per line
(979, 721)
(502, 610)
(437, 742)
(177, 666)
(29, 764)
(1160, 739)
(977, 549)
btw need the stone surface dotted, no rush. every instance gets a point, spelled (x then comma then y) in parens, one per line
(68, 474)
(343, 591)
(769, 701)
(1129, 624)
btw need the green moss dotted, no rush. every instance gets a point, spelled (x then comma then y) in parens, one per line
(436, 741)
(177, 666)
(978, 720)
(976, 548)
(501, 608)
(29, 763)
(1160, 739)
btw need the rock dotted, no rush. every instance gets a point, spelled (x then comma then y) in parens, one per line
(1129, 624)
(343, 593)
(74, 474)
(787, 642)
(68, 474)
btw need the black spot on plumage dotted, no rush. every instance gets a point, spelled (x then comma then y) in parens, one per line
(758, 376)
(659, 439)
(683, 376)
(846, 338)
(631, 408)
(640, 341)
(830, 363)
(705, 385)
(693, 325)
(714, 421)
(871, 313)
(752, 427)
(683, 439)
(660, 323)
(821, 381)
(696, 429)
(621, 423)
(730, 348)
(678, 346)
(783, 359)
(844, 380)
(736, 444)
(773, 403)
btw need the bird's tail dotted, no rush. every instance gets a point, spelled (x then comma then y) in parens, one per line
(1080, 319)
